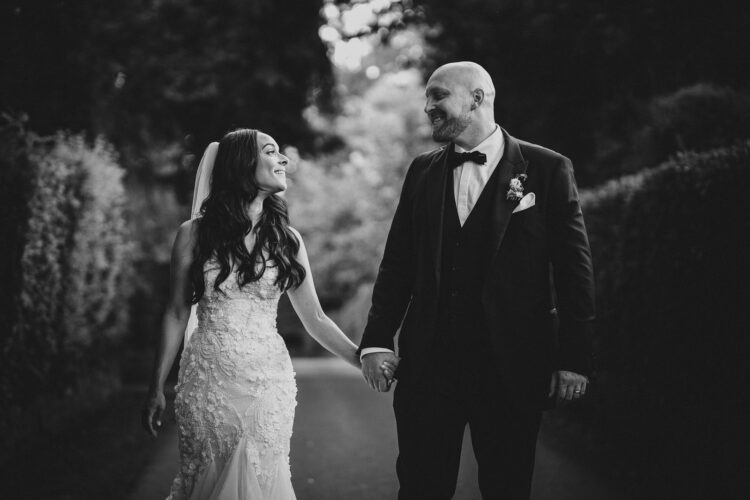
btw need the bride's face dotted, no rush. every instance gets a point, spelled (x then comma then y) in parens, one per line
(270, 173)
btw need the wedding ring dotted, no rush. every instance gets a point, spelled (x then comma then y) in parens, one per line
(577, 391)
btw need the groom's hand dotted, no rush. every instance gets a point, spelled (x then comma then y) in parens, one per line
(567, 385)
(373, 372)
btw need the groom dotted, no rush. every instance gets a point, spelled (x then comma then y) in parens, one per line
(487, 271)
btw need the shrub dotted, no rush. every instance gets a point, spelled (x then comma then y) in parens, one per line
(695, 118)
(72, 269)
(698, 117)
(669, 254)
(15, 182)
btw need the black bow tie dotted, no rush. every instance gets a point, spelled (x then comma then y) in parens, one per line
(455, 159)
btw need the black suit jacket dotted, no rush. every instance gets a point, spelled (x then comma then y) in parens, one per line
(538, 295)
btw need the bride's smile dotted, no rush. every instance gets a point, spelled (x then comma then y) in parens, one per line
(270, 173)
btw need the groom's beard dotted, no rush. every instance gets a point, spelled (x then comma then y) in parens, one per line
(451, 129)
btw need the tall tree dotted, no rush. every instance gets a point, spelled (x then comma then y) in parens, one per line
(158, 71)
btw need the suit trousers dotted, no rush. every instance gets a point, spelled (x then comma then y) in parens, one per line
(430, 426)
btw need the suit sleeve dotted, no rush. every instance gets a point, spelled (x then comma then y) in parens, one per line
(573, 272)
(395, 281)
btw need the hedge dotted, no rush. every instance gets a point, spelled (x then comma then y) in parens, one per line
(69, 264)
(15, 182)
(669, 249)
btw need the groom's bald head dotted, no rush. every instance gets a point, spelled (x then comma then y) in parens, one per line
(469, 75)
(460, 103)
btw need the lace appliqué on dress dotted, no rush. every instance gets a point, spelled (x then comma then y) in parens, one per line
(236, 396)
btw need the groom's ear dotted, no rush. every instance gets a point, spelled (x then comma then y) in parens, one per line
(477, 96)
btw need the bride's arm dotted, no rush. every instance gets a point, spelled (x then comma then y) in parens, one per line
(173, 325)
(305, 301)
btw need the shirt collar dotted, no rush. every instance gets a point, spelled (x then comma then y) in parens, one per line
(490, 146)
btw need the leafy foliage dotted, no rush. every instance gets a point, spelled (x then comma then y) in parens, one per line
(160, 79)
(695, 118)
(578, 75)
(73, 268)
(15, 188)
(343, 202)
(671, 291)
(163, 75)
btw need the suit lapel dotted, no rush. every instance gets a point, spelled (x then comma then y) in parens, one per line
(511, 164)
(436, 185)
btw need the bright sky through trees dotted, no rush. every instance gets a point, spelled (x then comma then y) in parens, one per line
(345, 26)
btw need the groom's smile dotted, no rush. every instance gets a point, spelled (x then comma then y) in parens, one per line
(448, 105)
(437, 118)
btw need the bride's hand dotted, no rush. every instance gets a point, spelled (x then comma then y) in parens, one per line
(152, 412)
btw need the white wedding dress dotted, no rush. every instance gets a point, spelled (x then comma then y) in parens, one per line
(235, 396)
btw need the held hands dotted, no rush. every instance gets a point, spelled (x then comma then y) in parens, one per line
(567, 386)
(152, 412)
(378, 369)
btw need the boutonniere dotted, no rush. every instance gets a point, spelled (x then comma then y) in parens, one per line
(515, 191)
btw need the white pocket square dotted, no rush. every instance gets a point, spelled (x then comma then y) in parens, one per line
(526, 202)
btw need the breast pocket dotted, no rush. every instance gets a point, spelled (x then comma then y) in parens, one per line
(527, 222)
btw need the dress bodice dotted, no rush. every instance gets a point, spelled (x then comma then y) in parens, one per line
(249, 308)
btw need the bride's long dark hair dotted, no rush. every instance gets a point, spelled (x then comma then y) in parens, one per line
(224, 222)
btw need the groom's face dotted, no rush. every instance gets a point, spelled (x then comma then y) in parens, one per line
(448, 106)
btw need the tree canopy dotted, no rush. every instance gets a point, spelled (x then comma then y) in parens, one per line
(153, 74)
(579, 75)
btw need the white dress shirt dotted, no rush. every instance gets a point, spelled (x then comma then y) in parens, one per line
(469, 180)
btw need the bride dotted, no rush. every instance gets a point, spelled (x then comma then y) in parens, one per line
(236, 389)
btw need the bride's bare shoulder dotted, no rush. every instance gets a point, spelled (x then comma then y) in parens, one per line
(186, 239)
(298, 236)
(295, 232)
(302, 251)
(188, 229)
